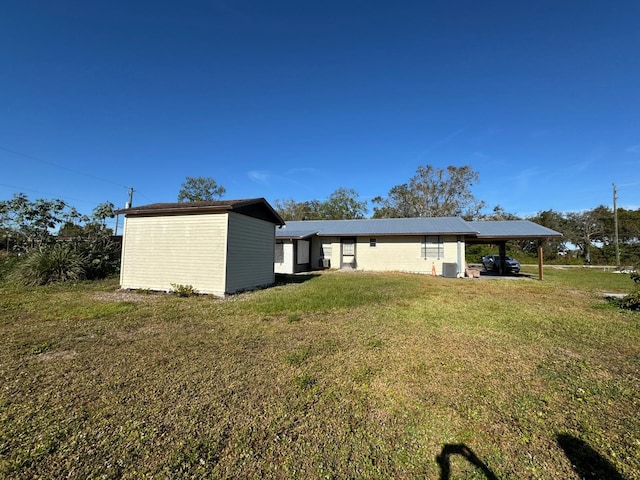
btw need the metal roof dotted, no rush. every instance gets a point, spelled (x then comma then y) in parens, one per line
(376, 226)
(482, 230)
(511, 229)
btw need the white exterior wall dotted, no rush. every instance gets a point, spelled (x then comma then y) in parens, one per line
(250, 253)
(395, 253)
(182, 249)
(287, 260)
(325, 247)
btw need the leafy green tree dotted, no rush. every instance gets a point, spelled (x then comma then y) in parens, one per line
(102, 212)
(200, 189)
(433, 192)
(31, 222)
(583, 228)
(551, 247)
(343, 204)
(290, 210)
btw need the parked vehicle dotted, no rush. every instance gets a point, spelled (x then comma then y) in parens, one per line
(492, 262)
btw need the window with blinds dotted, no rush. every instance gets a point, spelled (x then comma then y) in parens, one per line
(432, 247)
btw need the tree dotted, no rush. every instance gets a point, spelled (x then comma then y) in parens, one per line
(199, 189)
(550, 248)
(432, 192)
(31, 222)
(290, 210)
(583, 228)
(343, 204)
(498, 214)
(102, 212)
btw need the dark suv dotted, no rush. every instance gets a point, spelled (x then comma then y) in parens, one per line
(492, 262)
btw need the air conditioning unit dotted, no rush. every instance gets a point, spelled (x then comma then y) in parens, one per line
(450, 270)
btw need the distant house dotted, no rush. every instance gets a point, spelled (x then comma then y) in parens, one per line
(421, 245)
(217, 247)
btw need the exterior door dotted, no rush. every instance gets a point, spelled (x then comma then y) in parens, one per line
(348, 253)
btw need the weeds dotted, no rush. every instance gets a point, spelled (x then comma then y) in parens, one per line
(183, 290)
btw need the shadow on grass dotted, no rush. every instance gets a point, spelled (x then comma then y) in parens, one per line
(586, 462)
(465, 452)
(287, 278)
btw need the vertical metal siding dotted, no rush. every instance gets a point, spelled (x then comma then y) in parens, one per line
(250, 253)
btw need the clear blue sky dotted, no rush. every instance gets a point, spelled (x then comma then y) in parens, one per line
(293, 99)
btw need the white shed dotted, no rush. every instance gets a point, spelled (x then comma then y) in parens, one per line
(217, 247)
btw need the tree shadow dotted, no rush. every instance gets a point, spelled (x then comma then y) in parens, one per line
(586, 462)
(465, 452)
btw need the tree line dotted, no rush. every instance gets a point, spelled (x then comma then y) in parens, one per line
(54, 231)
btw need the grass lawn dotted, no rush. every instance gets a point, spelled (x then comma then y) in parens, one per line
(344, 375)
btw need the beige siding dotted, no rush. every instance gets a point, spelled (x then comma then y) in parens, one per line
(396, 253)
(182, 249)
(250, 253)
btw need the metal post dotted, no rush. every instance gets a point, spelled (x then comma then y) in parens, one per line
(615, 223)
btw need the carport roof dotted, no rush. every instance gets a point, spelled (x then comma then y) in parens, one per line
(511, 230)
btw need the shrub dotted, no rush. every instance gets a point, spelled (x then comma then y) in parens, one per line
(102, 256)
(631, 301)
(184, 290)
(57, 263)
(7, 263)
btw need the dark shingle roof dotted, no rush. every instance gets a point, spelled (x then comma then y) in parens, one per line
(253, 207)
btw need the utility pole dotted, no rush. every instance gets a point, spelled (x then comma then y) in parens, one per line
(615, 223)
(131, 190)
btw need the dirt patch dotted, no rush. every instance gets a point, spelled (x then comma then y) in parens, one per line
(53, 356)
(128, 296)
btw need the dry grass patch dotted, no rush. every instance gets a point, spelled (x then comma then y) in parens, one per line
(341, 376)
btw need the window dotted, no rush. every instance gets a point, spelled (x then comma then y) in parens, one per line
(432, 247)
(372, 242)
(348, 247)
(279, 252)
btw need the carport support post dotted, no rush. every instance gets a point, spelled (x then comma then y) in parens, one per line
(540, 260)
(502, 249)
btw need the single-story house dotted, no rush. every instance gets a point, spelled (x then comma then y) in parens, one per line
(421, 245)
(217, 247)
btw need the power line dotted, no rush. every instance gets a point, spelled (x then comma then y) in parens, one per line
(44, 193)
(78, 172)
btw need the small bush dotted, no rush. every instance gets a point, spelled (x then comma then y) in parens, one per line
(57, 263)
(635, 276)
(184, 290)
(631, 301)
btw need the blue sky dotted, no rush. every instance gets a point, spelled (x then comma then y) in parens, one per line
(293, 99)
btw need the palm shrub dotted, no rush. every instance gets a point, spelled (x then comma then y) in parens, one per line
(55, 263)
(102, 255)
(8, 262)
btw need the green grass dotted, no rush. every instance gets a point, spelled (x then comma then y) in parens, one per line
(346, 375)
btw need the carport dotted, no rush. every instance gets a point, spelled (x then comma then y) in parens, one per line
(500, 232)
